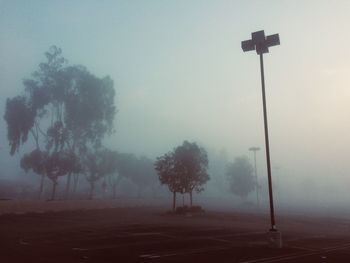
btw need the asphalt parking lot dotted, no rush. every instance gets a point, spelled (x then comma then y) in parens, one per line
(138, 235)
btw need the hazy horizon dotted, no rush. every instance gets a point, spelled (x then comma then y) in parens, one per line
(180, 74)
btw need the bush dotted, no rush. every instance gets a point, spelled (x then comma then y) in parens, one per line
(189, 209)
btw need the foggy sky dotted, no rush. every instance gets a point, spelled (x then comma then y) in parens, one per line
(180, 74)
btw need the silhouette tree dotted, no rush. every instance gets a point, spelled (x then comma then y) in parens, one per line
(59, 164)
(125, 168)
(241, 177)
(183, 170)
(36, 161)
(143, 174)
(98, 164)
(113, 177)
(66, 110)
(191, 163)
(20, 118)
(139, 171)
(218, 165)
(52, 165)
(165, 166)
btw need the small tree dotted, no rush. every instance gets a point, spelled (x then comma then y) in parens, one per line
(113, 178)
(60, 164)
(50, 165)
(143, 174)
(191, 163)
(125, 168)
(241, 177)
(165, 166)
(139, 170)
(98, 164)
(184, 169)
(35, 161)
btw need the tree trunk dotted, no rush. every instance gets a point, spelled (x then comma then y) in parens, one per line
(68, 185)
(139, 192)
(104, 188)
(114, 191)
(54, 185)
(174, 201)
(114, 186)
(183, 200)
(92, 189)
(75, 182)
(191, 198)
(41, 188)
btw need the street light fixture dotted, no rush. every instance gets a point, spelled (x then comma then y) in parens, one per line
(254, 150)
(261, 43)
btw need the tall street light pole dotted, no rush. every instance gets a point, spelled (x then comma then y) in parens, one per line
(254, 150)
(261, 43)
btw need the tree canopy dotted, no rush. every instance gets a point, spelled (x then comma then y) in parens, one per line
(76, 108)
(184, 170)
(66, 109)
(191, 164)
(240, 176)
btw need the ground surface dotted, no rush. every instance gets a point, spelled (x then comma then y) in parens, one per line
(147, 234)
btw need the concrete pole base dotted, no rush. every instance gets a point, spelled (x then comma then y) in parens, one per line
(274, 239)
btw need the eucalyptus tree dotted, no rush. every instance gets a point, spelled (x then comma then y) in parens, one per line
(66, 109)
(90, 112)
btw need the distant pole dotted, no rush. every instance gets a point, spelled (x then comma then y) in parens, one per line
(261, 44)
(254, 150)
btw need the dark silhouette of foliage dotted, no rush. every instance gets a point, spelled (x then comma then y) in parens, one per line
(240, 174)
(165, 167)
(183, 170)
(139, 171)
(89, 107)
(35, 161)
(142, 173)
(52, 165)
(98, 164)
(20, 120)
(191, 163)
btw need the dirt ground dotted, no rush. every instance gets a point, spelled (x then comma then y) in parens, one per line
(105, 232)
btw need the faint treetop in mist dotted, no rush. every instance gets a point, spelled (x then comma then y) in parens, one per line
(240, 174)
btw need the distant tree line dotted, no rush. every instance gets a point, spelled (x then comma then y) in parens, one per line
(67, 112)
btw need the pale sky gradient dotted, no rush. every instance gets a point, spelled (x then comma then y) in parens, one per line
(180, 73)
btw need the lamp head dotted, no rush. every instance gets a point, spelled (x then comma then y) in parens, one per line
(260, 42)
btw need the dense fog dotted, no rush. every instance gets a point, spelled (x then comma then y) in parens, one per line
(179, 74)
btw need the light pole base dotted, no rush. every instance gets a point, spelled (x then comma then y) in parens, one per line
(274, 238)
